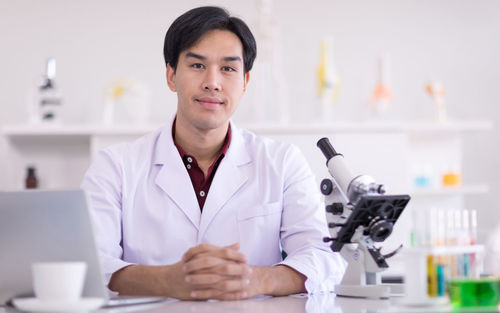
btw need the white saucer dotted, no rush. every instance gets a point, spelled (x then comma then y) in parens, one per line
(35, 305)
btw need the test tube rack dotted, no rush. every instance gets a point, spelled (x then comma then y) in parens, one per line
(430, 268)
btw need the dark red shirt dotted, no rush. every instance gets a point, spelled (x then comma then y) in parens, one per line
(201, 184)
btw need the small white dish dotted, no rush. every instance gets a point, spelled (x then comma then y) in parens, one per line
(35, 305)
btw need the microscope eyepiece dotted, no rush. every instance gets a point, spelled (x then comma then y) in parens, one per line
(326, 147)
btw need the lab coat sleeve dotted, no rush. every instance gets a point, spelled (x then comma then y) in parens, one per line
(103, 184)
(304, 226)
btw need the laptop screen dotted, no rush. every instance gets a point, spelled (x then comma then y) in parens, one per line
(45, 226)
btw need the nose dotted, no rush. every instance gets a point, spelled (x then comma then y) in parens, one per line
(212, 80)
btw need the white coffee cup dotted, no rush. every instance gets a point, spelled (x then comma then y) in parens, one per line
(58, 281)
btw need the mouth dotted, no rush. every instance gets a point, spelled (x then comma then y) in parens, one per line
(210, 103)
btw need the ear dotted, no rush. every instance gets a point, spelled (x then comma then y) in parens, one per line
(246, 80)
(171, 78)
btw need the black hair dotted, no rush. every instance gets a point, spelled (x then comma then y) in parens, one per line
(190, 26)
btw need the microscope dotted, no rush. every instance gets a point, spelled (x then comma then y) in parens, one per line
(359, 214)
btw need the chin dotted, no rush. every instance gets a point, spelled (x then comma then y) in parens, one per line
(211, 123)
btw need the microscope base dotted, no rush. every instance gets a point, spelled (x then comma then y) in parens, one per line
(396, 290)
(366, 291)
(370, 291)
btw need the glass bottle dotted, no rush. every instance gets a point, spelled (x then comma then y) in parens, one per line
(31, 181)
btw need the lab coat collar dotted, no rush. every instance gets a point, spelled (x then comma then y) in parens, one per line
(229, 178)
(174, 180)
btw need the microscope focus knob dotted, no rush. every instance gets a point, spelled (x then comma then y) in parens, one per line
(335, 208)
(326, 186)
(381, 189)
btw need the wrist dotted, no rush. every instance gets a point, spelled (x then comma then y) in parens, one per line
(140, 280)
(263, 276)
(278, 280)
(165, 278)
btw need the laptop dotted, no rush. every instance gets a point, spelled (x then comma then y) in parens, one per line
(49, 226)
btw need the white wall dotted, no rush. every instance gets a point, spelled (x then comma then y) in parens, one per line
(96, 42)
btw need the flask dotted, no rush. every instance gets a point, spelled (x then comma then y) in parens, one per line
(31, 179)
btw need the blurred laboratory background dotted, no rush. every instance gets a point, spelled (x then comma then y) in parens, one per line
(406, 90)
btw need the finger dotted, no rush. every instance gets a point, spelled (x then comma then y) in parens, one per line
(210, 264)
(206, 294)
(200, 280)
(225, 254)
(233, 296)
(208, 248)
(232, 285)
(233, 269)
(203, 279)
(217, 295)
(234, 246)
(201, 264)
(204, 247)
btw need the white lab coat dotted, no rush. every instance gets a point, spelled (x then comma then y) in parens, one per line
(263, 196)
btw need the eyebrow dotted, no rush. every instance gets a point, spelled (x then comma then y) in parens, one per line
(195, 55)
(203, 58)
(232, 59)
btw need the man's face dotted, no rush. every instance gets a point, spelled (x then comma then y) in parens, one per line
(209, 80)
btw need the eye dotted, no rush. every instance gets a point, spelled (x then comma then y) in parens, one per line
(228, 69)
(197, 66)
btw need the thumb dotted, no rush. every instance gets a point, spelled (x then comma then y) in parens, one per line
(234, 246)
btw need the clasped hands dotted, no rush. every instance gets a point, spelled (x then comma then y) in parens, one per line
(211, 272)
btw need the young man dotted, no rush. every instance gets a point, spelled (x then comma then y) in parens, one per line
(201, 209)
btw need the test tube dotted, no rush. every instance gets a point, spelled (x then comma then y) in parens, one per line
(441, 228)
(474, 271)
(433, 229)
(450, 235)
(473, 226)
(432, 284)
(466, 234)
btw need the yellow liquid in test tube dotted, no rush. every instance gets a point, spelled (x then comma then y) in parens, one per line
(432, 284)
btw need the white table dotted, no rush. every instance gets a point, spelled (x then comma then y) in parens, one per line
(292, 304)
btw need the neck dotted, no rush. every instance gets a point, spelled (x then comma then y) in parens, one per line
(203, 144)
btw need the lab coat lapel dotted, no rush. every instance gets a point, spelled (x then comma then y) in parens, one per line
(228, 180)
(173, 177)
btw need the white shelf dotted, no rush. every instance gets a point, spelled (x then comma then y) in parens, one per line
(445, 250)
(270, 129)
(372, 126)
(445, 191)
(76, 130)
